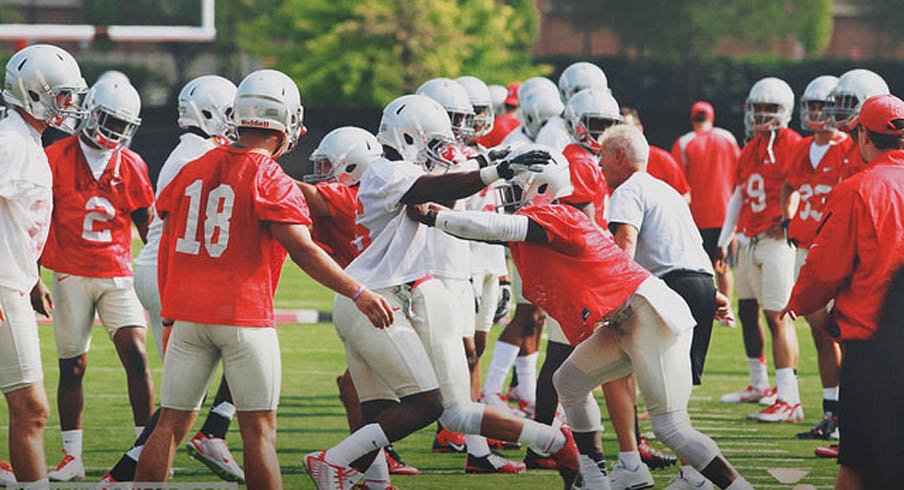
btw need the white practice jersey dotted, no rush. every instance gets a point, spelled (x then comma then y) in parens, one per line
(516, 137)
(450, 257)
(486, 258)
(394, 246)
(190, 148)
(26, 202)
(554, 134)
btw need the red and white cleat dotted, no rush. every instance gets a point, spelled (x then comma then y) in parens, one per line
(568, 458)
(70, 468)
(830, 451)
(396, 465)
(747, 395)
(780, 411)
(500, 401)
(110, 483)
(446, 441)
(7, 477)
(328, 476)
(214, 453)
(492, 463)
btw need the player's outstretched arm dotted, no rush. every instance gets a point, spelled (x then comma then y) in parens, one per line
(481, 226)
(316, 203)
(296, 239)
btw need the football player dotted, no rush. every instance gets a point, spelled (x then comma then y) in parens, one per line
(253, 213)
(765, 271)
(42, 87)
(100, 189)
(505, 120)
(576, 77)
(849, 94)
(660, 164)
(575, 271)
(401, 394)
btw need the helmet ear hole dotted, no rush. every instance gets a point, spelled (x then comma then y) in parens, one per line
(408, 139)
(207, 114)
(542, 189)
(34, 97)
(351, 168)
(530, 119)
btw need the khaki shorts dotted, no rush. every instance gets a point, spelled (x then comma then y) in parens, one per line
(486, 286)
(251, 364)
(77, 298)
(645, 345)
(765, 272)
(461, 293)
(20, 349)
(149, 295)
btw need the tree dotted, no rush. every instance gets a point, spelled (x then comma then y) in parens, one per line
(354, 53)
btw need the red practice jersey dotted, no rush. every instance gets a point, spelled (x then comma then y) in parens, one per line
(91, 228)
(336, 232)
(814, 185)
(588, 181)
(709, 160)
(854, 159)
(662, 166)
(218, 262)
(580, 276)
(502, 126)
(859, 247)
(761, 176)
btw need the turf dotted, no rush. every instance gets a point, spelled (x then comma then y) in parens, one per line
(311, 416)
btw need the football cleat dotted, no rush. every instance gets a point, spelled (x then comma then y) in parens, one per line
(499, 401)
(110, 483)
(780, 411)
(213, 453)
(622, 478)
(70, 468)
(536, 461)
(396, 465)
(568, 458)
(528, 408)
(682, 483)
(7, 477)
(328, 476)
(577, 482)
(747, 395)
(447, 441)
(770, 398)
(500, 445)
(492, 463)
(830, 451)
(826, 429)
(652, 457)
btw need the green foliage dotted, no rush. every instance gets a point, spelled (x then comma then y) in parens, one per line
(353, 53)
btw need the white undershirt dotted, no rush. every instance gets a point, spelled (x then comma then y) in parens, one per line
(817, 152)
(97, 158)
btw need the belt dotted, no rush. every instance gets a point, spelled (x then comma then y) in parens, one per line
(404, 294)
(619, 315)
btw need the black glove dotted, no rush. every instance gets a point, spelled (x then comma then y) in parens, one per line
(505, 301)
(532, 160)
(492, 157)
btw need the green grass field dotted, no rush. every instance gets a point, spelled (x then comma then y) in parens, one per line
(311, 416)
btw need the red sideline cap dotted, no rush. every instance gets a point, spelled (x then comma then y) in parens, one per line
(878, 112)
(512, 97)
(703, 107)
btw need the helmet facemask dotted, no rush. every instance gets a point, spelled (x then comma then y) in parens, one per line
(814, 115)
(435, 157)
(323, 170)
(64, 107)
(844, 108)
(590, 129)
(764, 116)
(482, 121)
(110, 129)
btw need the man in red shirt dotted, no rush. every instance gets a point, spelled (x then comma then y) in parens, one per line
(857, 249)
(708, 156)
(100, 189)
(251, 213)
(573, 270)
(504, 123)
(660, 164)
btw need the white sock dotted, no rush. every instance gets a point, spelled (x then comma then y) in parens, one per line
(477, 445)
(692, 475)
(630, 460)
(135, 452)
(377, 476)
(759, 376)
(541, 437)
(504, 356)
(224, 409)
(364, 440)
(830, 394)
(138, 430)
(526, 367)
(72, 442)
(786, 381)
(593, 477)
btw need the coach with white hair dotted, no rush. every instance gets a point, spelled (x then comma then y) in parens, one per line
(653, 223)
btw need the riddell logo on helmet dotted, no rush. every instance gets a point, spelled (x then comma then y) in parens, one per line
(255, 123)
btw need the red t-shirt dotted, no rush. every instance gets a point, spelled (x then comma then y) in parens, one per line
(859, 248)
(814, 185)
(580, 276)
(854, 159)
(91, 228)
(335, 233)
(218, 261)
(503, 124)
(709, 160)
(662, 166)
(761, 179)
(588, 181)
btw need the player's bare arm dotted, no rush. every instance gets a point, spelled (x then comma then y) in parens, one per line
(296, 239)
(625, 237)
(41, 300)
(141, 218)
(316, 203)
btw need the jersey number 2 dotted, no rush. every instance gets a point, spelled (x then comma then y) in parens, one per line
(100, 209)
(218, 212)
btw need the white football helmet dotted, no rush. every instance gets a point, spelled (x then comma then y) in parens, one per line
(852, 90)
(771, 91)
(481, 102)
(269, 99)
(113, 107)
(453, 97)
(46, 82)
(113, 74)
(535, 84)
(536, 107)
(343, 155)
(419, 129)
(588, 114)
(206, 103)
(550, 182)
(814, 103)
(580, 76)
(498, 93)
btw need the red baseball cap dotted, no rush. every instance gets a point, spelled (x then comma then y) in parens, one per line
(878, 112)
(512, 97)
(702, 107)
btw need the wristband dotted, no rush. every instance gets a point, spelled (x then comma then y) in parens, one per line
(358, 293)
(488, 175)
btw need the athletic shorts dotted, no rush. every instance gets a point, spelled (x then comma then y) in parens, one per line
(251, 364)
(699, 292)
(149, 295)
(20, 349)
(461, 293)
(765, 272)
(856, 406)
(486, 287)
(77, 298)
